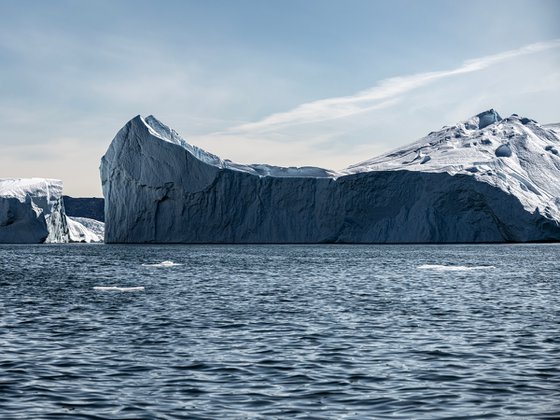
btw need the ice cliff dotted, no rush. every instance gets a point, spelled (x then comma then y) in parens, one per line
(486, 179)
(32, 211)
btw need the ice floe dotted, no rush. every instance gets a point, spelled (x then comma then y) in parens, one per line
(441, 267)
(118, 289)
(162, 264)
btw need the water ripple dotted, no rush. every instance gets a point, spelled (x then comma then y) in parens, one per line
(280, 331)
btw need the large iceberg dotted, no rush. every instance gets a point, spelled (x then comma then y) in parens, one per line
(486, 179)
(32, 211)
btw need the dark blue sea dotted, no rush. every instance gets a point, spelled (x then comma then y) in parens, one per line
(396, 332)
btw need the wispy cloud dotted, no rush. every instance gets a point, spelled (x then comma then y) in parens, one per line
(382, 95)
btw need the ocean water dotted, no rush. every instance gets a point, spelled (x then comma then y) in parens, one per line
(106, 331)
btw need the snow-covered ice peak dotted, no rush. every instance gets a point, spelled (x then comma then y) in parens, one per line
(515, 154)
(486, 118)
(163, 132)
(22, 187)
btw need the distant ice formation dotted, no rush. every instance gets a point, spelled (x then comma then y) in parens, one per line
(83, 229)
(118, 289)
(162, 264)
(32, 211)
(440, 267)
(486, 179)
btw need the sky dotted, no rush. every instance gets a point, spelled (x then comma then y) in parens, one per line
(293, 83)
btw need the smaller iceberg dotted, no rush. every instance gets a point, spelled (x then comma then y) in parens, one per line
(32, 212)
(83, 229)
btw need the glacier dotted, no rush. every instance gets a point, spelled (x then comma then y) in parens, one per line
(32, 211)
(485, 179)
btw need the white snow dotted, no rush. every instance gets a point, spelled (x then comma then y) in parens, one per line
(440, 267)
(83, 229)
(514, 154)
(160, 130)
(21, 188)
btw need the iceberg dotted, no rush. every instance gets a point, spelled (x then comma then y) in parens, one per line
(83, 229)
(32, 211)
(485, 179)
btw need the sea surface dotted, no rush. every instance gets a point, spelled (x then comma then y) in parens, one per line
(397, 332)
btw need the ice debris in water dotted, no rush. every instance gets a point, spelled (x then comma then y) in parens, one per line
(118, 289)
(439, 267)
(163, 264)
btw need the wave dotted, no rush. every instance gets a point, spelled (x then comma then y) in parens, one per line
(439, 267)
(118, 289)
(162, 264)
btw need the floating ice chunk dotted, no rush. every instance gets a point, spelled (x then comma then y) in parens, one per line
(162, 264)
(439, 267)
(118, 289)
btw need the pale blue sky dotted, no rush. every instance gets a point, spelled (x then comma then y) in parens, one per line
(282, 82)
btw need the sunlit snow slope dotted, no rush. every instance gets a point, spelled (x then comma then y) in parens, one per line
(515, 154)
